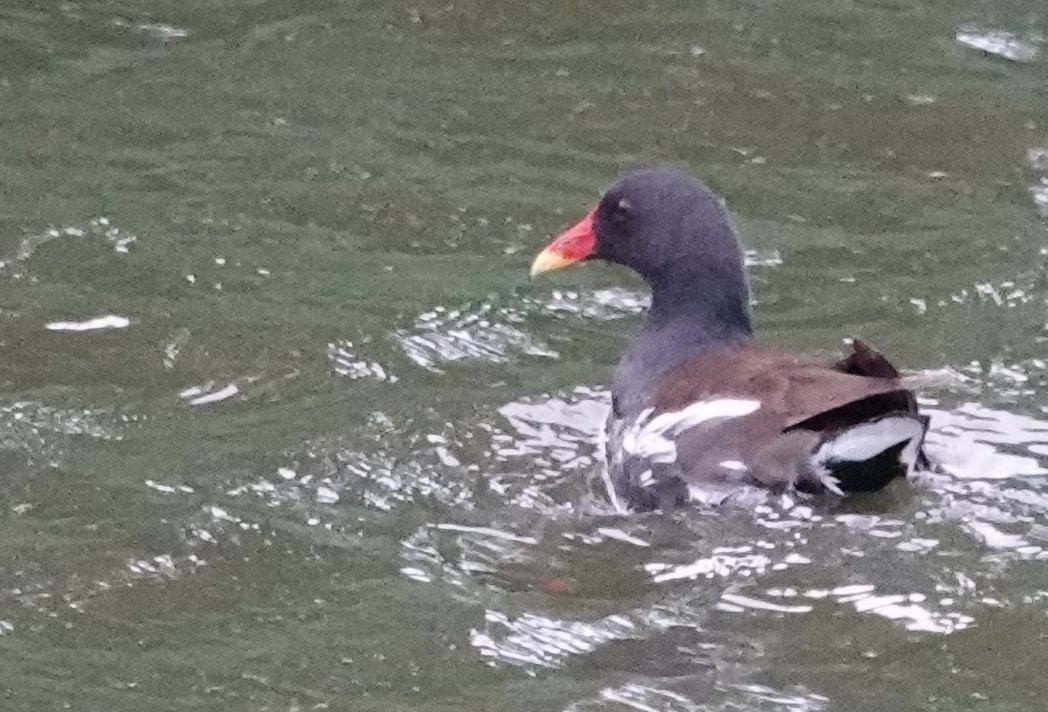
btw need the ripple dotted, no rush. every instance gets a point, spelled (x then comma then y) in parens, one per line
(1038, 158)
(657, 696)
(736, 603)
(552, 449)
(974, 441)
(763, 258)
(1040, 196)
(618, 303)
(367, 469)
(634, 577)
(23, 425)
(163, 566)
(346, 361)
(722, 563)
(464, 557)
(999, 43)
(910, 610)
(98, 228)
(484, 333)
(816, 541)
(157, 30)
(1004, 294)
(601, 304)
(531, 639)
(559, 426)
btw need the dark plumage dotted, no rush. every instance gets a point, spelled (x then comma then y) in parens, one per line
(695, 402)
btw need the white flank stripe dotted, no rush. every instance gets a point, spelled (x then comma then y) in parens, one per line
(653, 437)
(677, 421)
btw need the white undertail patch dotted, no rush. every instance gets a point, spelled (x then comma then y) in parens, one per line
(866, 441)
(831, 483)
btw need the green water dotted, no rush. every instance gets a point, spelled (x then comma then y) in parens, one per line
(331, 451)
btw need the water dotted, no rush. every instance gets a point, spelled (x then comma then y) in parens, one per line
(285, 426)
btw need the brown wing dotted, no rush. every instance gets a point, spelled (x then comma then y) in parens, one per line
(795, 391)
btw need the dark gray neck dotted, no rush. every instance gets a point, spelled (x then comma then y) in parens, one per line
(707, 298)
(690, 314)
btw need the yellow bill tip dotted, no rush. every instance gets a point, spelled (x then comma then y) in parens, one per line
(548, 260)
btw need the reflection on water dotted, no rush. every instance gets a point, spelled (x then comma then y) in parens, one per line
(160, 31)
(1000, 43)
(602, 304)
(1040, 196)
(934, 568)
(38, 428)
(483, 334)
(976, 442)
(757, 577)
(346, 362)
(785, 558)
(531, 639)
(97, 228)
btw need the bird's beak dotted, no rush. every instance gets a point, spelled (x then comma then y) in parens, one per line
(574, 244)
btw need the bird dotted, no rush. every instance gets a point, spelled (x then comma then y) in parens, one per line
(699, 407)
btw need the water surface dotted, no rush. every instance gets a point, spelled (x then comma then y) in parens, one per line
(285, 426)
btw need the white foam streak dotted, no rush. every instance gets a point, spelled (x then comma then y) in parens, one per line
(758, 604)
(199, 396)
(109, 321)
(487, 532)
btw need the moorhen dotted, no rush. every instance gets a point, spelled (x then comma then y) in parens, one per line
(698, 408)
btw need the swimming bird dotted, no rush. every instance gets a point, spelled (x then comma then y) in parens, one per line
(698, 404)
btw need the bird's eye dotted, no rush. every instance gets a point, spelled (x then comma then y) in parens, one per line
(622, 209)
